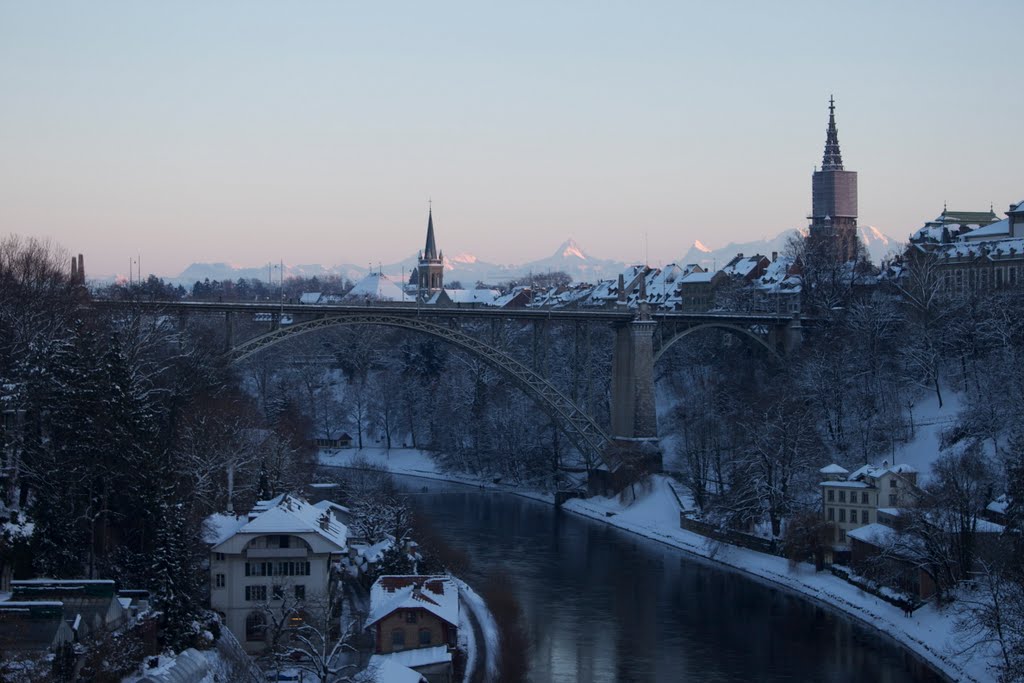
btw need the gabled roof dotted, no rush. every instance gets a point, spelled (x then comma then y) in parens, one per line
(289, 514)
(834, 469)
(32, 625)
(436, 594)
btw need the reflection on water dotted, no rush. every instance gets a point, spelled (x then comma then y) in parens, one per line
(604, 605)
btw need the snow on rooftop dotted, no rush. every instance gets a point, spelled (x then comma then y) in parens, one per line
(285, 514)
(993, 230)
(388, 670)
(422, 656)
(834, 469)
(436, 594)
(998, 505)
(375, 287)
(875, 534)
(220, 527)
(472, 296)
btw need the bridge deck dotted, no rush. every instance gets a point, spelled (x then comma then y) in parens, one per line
(466, 311)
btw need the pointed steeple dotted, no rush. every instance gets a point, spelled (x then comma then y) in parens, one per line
(430, 250)
(833, 159)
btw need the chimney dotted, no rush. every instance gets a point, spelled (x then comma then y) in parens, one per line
(739, 255)
(622, 289)
(81, 269)
(775, 256)
(74, 271)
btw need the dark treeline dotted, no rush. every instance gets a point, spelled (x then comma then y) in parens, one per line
(120, 436)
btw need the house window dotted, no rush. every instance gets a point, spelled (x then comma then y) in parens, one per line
(892, 500)
(842, 496)
(398, 638)
(219, 581)
(831, 514)
(219, 557)
(255, 626)
(282, 541)
(842, 514)
(864, 517)
(278, 592)
(842, 535)
(831, 495)
(425, 636)
(259, 569)
(853, 516)
(892, 483)
(410, 617)
(300, 592)
(864, 498)
(255, 593)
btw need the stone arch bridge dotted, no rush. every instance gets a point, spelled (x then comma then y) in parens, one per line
(640, 338)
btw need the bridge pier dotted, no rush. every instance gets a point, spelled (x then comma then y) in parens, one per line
(787, 338)
(634, 421)
(229, 330)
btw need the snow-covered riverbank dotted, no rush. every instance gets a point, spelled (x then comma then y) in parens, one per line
(654, 514)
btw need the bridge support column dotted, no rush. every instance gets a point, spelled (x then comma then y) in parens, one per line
(786, 339)
(794, 336)
(229, 330)
(634, 419)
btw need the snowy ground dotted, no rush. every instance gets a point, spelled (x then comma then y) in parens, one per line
(929, 422)
(477, 623)
(655, 515)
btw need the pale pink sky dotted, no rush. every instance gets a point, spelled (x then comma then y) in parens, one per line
(315, 132)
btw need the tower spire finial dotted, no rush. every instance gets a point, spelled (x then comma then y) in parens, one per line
(430, 249)
(832, 159)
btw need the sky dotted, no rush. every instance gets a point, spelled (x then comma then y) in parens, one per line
(317, 132)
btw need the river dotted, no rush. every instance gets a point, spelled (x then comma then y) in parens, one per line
(600, 604)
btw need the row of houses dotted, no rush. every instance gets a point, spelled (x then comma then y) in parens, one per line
(865, 510)
(688, 288)
(973, 250)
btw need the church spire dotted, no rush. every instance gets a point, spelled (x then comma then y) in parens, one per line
(833, 159)
(430, 250)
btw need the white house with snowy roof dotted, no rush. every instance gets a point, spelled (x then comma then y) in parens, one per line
(415, 621)
(868, 495)
(282, 552)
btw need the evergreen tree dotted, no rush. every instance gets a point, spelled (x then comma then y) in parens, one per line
(175, 576)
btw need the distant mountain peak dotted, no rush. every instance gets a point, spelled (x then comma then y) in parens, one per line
(700, 246)
(570, 249)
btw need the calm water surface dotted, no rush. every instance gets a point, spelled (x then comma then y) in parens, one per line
(600, 604)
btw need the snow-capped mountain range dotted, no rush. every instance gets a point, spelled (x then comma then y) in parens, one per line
(570, 257)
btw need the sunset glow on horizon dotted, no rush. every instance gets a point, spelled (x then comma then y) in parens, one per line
(250, 132)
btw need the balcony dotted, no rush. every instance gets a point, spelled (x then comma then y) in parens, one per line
(257, 553)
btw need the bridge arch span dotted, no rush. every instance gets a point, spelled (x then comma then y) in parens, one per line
(581, 429)
(733, 329)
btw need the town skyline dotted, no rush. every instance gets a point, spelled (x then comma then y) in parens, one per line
(319, 136)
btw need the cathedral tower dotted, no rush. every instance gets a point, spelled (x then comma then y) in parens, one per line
(834, 198)
(430, 270)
